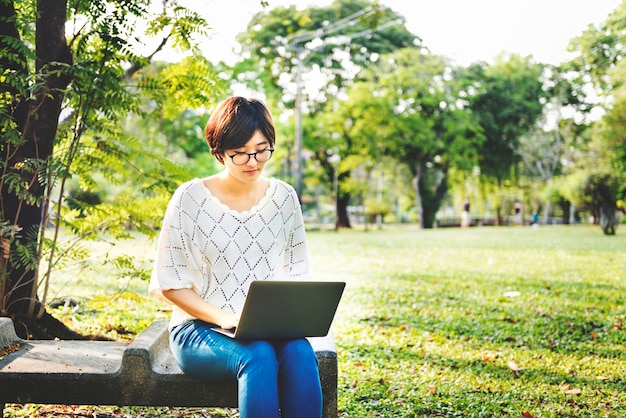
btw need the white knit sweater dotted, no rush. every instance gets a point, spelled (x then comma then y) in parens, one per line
(206, 246)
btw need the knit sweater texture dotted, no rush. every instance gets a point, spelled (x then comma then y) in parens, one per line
(216, 251)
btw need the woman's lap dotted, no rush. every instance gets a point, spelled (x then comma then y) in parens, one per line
(266, 370)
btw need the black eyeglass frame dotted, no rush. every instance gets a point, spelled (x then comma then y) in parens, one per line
(252, 154)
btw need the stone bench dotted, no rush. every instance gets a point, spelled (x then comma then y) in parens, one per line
(142, 373)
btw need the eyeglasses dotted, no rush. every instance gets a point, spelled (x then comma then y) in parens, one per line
(241, 158)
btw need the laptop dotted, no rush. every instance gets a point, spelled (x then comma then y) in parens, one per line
(287, 310)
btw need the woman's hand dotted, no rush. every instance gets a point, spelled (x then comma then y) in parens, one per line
(189, 301)
(228, 320)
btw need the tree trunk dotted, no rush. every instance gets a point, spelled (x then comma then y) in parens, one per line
(566, 208)
(38, 126)
(430, 211)
(17, 280)
(572, 214)
(46, 327)
(417, 178)
(342, 219)
(608, 219)
(546, 212)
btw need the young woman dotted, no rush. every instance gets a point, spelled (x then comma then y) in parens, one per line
(219, 234)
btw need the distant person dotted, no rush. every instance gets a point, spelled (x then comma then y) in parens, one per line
(219, 234)
(518, 213)
(465, 215)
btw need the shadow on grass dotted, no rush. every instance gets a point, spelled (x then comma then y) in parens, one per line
(419, 345)
(439, 375)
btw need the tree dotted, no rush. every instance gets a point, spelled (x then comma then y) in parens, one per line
(600, 49)
(558, 141)
(288, 46)
(407, 109)
(84, 80)
(335, 40)
(602, 171)
(606, 183)
(344, 137)
(507, 97)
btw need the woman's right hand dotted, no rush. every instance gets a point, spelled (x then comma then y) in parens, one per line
(228, 320)
(189, 301)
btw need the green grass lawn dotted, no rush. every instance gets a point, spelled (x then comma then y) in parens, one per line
(478, 322)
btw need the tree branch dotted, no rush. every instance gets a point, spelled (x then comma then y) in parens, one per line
(138, 66)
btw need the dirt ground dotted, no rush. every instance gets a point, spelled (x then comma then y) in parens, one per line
(76, 411)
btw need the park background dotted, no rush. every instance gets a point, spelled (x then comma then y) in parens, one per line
(377, 133)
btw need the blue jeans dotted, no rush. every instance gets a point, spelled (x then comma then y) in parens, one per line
(273, 376)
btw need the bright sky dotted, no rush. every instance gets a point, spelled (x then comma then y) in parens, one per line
(464, 30)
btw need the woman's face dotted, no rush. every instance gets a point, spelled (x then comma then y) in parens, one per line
(243, 166)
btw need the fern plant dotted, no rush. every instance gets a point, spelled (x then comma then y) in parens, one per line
(96, 178)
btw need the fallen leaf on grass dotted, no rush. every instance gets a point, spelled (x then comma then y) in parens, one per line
(512, 294)
(432, 390)
(570, 390)
(527, 415)
(514, 367)
(552, 342)
(490, 355)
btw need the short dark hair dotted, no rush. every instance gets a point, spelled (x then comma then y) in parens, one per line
(234, 122)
